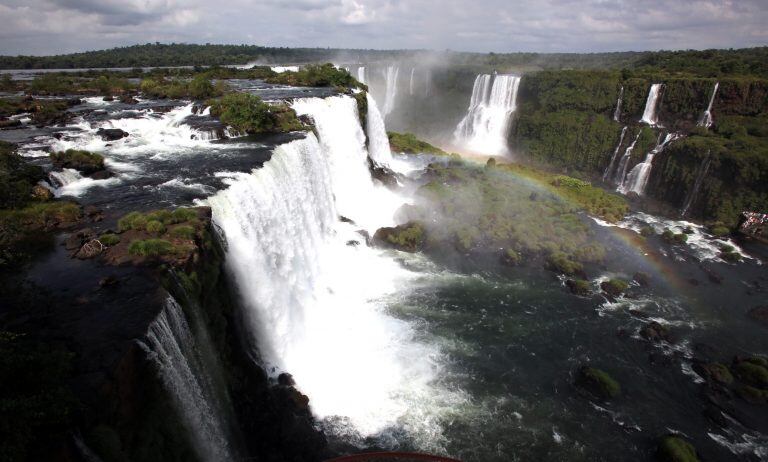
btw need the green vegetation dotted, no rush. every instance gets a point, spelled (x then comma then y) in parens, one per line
(409, 237)
(249, 114)
(562, 263)
(598, 382)
(159, 233)
(155, 227)
(151, 248)
(199, 88)
(671, 237)
(36, 402)
(409, 144)
(579, 286)
(614, 287)
(69, 84)
(183, 232)
(84, 161)
(17, 178)
(109, 239)
(753, 372)
(675, 449)
(317, 75)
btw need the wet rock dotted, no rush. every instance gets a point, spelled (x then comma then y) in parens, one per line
(759, 314)
(642, 279)
(673, 448)
(41, 193)
(714, 372)
(655, 332)
(10, 123)
(107, 281)
(101, 175)
(111, 134)
(614, 287)
(386, 176)
(752, 371)
(93, 213)
(108, 98)
(74, 102)
(285, 379)
(353, 243)
(409, 237)
(344, 219)
(597, 382)
(579, 286)
(90, 249)
(128, 99)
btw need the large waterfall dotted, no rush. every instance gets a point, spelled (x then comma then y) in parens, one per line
(485, 127)
(651, 103)
(637, 179)
(361, 74)
(180, 360)
(706, 118)
(378, 142)
(609, 169)
(314, 302)
(390, 77)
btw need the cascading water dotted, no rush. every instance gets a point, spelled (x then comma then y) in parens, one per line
(314, 302)
(649, 114)
(700, 175)
(390, 76)
(361, 74)
(706, 118)
(378, 142)
(608, 169)
(427, 82)
(617, 111)
(410, 86)
(621, 170)
(484, 128)
(173, 346)
(637, 179)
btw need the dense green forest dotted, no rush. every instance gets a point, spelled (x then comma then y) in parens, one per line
(712, 63)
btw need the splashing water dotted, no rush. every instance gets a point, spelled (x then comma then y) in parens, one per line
(651, 103)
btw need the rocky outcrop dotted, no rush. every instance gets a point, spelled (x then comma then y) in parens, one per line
(409, 237)
(111, 134)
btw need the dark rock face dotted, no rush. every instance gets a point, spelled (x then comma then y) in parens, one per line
(655, 332)
(759, 314)
(111, 134)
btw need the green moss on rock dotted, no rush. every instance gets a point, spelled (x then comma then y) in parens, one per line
(673, 448)
(597, 382)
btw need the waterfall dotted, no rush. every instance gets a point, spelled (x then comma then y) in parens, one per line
(621, 170)
(637, 179)
(171, 343)
(617, 111)
(343, 141)
(410, 86)
(608, 170)
(378, 142)
(427, 82)
(702, 172)
(314, 302)
(706, 118)
(390, 76)
(361, 74)
(649, 114)
(494, 100)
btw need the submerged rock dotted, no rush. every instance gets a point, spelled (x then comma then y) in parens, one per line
(597, 382)
(673, 448)
(655, 332)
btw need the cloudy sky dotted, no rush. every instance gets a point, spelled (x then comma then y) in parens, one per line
(61, 26)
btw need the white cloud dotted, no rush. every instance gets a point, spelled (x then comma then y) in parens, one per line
(55, 26)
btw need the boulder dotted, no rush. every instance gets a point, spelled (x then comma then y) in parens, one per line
(579, 286)
(101, 175)
(128, 99)
(759, 314)
(614, 287)
(597, 382)
(655, 332)
(41, 193)
(111, 134)
(285, 379)
(673, 448)
(409, 237)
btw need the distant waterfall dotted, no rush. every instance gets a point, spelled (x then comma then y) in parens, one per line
(410, 86)
(608, 169)
(361, 74)
(427, 82)
(378, 142)
(700, 175)
(621, 170)
(637, 179)
(313, 301)
(485, 127)
(706, 118)
(617, 111)
(181, 368)
(390, 76)
(649, 114)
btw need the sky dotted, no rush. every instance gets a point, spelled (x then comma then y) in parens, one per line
(41, 27)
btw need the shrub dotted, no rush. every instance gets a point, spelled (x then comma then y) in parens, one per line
(409, 144)
(183, 232)
(163, 216)
(151, 248)
(109, 239)
(134, 220)
(562, 263)
(183, 214)
(598, 382)
(675, 449)
(752, 373)
(155, 227)
(720, 230)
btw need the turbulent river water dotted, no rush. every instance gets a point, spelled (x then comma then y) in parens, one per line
(400, 352)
